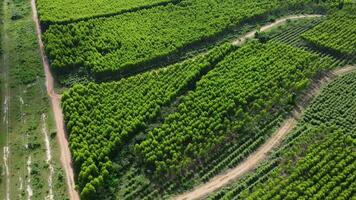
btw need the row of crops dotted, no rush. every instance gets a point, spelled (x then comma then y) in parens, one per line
(126, 42)
(60, 11)
(316, 161)
(292, 34)
(100, 118)
(337, 34)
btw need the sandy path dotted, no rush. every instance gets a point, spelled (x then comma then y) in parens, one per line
(268, 27)
(29, 188)
(48, 157)
(261, 153)
(55, 102)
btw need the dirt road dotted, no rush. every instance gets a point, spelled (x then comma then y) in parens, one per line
(268, 27)
(58, 115)
(261, 153)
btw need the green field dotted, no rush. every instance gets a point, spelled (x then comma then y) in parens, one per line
(205, 109)
(156, 130)
(167, 98)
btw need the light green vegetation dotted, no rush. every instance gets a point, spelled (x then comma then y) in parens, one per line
(23, 87)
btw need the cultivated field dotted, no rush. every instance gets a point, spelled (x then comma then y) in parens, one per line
(178, 99)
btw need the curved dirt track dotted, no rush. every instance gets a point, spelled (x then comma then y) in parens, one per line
(57, 111)
(261, 153)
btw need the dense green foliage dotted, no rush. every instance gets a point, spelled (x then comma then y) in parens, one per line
(338, 33)
(101, 117)
(129, 41)
(317, 159)
(56, 11)
(234, 96)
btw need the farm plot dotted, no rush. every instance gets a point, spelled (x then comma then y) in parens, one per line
(337, 34)
(59, 11)
(316, 160)
(235, 96)
(100, 118)
(127, 42)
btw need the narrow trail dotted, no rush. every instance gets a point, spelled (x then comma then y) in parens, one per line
(28, 187)
(261, 153)
(57, 111)
(25, 141)
(48, 157)
(19, 196)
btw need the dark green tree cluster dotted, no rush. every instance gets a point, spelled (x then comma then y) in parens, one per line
(59, 11)
(100, 118)
(337, 33)
(129, 41)
(234, 96)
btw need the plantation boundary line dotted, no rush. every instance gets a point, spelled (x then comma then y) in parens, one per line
(65, 158)
(260, 154)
